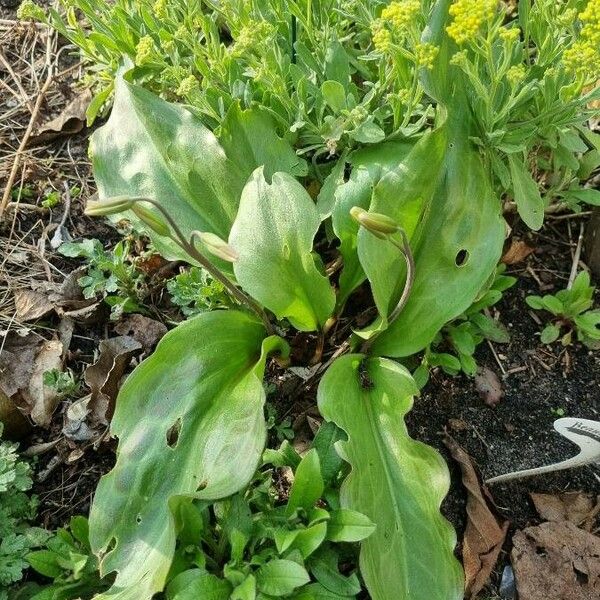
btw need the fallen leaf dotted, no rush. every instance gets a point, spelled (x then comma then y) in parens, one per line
(489, 386)
(23, 363)
(70, 121)
(517, 252)
(575, 507)
(15, 424)
(484, 534)
(556, 561)
(30, 305)
(104, 376)
(142, 329)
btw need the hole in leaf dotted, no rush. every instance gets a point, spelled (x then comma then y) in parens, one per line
(112, 544)
(582, 578)
(173, 433)
(462, 258)
(347, 172)
(138, 519)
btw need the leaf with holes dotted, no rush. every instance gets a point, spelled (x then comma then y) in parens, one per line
(182, 418)
(395, 481)
(459, 246)
(273, 236)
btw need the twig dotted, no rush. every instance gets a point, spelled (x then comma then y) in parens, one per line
(23, 144)
(17, 81)
(576, 257)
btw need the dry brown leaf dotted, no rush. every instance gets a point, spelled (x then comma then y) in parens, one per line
(104, 376)
(23, 363)
(556, 561)
(143, 329)
(517, 252)
(489, 386)
(575, 507)
(70, 121)
(30, 305)
(484, 534)
(15, 424)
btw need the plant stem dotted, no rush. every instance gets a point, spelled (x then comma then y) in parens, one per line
(191, 250)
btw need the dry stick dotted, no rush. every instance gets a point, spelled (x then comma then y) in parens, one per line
(576, 257)
(23, 144)
(17, 81)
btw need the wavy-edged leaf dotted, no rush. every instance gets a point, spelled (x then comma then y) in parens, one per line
(156, 149)
(273, 236)
(530, 203)
(395, 481)
(181, 417)
(250, 140)
(404, 194)
(455, 252)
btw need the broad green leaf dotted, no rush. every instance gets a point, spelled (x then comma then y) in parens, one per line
(309, 539)
(273, 235)
(246, 590)
(456, 250)
(325, 568)
(181, 418)
(317, 591)
(589, 196)
(280, 577)
(207, 587)
(326, 197)
(308, 483)
(45, 562)
(155, 149)
(395, 481)
(553, 304)
(530, 203)
(334, 95)
(347, 525)
(368, 167)
(536, 302)
(324, 443)
(250, 140)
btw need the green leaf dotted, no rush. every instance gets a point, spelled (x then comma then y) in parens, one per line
(456, 250)
(181, 418)
(527, 195)
(308, 483)
(326, 197)
(45, 563)
(155, 149)
(550, 334)
(280, 577)
(553, 304)
(368, 132)
(273, 235)
(325, 568)
(317, 591)
(246, 590)
(347, 525)
(309, 539)
(207, 587)
(324, 443)
(395, 481)
(369, 165)
(250, 140)
(334, 95)
(490, 328)
(535, 302)
(404, 194)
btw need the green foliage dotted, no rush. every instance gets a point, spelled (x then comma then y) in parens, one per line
(194, 291)
(17, 509)
(63, 382)
(572, 311)
(263, 541)
(395, 481)
(110, 274)
(453, 348)
(418, 115)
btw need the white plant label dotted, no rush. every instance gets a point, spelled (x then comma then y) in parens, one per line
(583, 432)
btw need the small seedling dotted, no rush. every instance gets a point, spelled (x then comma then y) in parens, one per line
(571, 314)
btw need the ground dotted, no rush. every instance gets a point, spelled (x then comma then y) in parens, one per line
(539, 382)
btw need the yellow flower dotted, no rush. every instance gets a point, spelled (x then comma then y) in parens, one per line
(468, 17)
(426, 54)
(30, 11)
(583, 57)
(188, 86)
(401, 13)
(382, 37)
(144, 50)
(511, 34)
(160, 8)
(515, 74)
(251, 36)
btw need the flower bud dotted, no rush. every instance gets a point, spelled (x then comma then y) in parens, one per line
(108, 206)
(152, 220)
(376, 223)
(216, 246)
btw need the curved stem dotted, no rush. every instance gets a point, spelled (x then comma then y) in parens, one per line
(192, 251)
